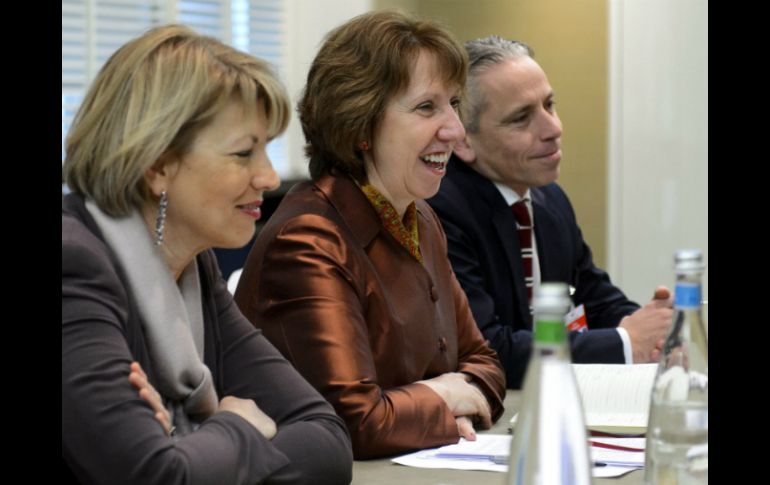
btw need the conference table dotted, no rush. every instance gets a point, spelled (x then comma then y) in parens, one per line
(384, 471)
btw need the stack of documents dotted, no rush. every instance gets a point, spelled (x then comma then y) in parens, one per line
(489, 452)
(612, 456)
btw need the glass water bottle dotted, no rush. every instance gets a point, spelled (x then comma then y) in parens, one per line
(678, 426)
(549, 441)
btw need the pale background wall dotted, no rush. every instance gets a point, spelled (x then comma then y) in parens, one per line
(658, 138)
(309, 22)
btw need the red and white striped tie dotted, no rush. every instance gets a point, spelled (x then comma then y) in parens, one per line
(524, 227)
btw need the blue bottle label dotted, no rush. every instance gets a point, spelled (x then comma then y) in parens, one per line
(687, 295)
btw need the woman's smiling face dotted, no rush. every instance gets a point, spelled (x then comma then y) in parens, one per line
(415, 138)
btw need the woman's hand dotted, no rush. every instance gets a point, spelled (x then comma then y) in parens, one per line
(465, 428)
(462, 397)
(245, 408)
(248, 410)
(138, 378)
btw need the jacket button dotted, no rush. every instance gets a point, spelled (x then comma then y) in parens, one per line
(442, 344)
(433, 293)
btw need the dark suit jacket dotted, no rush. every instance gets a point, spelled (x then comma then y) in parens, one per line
(484, 251)
(362, 320)
(109, 434)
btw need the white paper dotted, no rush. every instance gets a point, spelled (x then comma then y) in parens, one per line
(615, 395)
(485, 446)
(611, 471)
(475, 455)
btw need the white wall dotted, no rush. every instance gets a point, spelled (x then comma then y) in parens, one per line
(658, 139)
(308, 22)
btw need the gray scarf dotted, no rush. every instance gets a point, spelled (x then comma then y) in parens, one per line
(172, 318)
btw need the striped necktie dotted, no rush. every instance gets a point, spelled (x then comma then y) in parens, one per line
(524, 227)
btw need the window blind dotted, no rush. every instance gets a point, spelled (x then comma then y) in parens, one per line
(93, 29)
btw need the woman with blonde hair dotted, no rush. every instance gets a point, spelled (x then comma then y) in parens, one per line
(163, 379)
(350, 278)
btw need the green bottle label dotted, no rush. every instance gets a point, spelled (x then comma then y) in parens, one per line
(550, 331)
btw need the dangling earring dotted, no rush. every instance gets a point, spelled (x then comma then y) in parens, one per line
(160, 221)
(363, 145)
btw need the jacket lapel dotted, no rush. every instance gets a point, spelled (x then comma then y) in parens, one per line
(551, 245)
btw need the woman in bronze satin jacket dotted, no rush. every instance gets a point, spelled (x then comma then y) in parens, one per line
(350, 279)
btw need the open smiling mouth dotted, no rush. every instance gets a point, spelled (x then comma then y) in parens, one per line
(436, 161)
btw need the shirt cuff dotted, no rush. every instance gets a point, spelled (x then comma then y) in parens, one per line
(627, 351)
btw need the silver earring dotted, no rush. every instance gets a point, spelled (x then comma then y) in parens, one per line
(160, 221)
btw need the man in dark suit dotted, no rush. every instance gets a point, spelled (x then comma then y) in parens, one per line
(512, 153)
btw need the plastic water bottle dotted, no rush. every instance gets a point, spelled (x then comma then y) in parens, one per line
(549, 441)
(678, 426)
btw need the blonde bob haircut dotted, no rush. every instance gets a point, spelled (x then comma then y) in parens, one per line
(361, 65)
(150, 100)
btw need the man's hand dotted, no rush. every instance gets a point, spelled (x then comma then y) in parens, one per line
(647, 326)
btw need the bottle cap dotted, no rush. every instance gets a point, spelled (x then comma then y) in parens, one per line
(551, 298)
(689, 260)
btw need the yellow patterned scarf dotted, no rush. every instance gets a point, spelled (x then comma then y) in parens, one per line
(405, 232)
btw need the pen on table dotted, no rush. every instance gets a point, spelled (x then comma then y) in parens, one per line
(503, 460)
(496, 459)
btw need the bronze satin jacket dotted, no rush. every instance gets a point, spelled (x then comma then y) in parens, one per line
(362, 320)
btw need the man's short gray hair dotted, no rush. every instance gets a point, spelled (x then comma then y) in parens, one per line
(483, 53)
